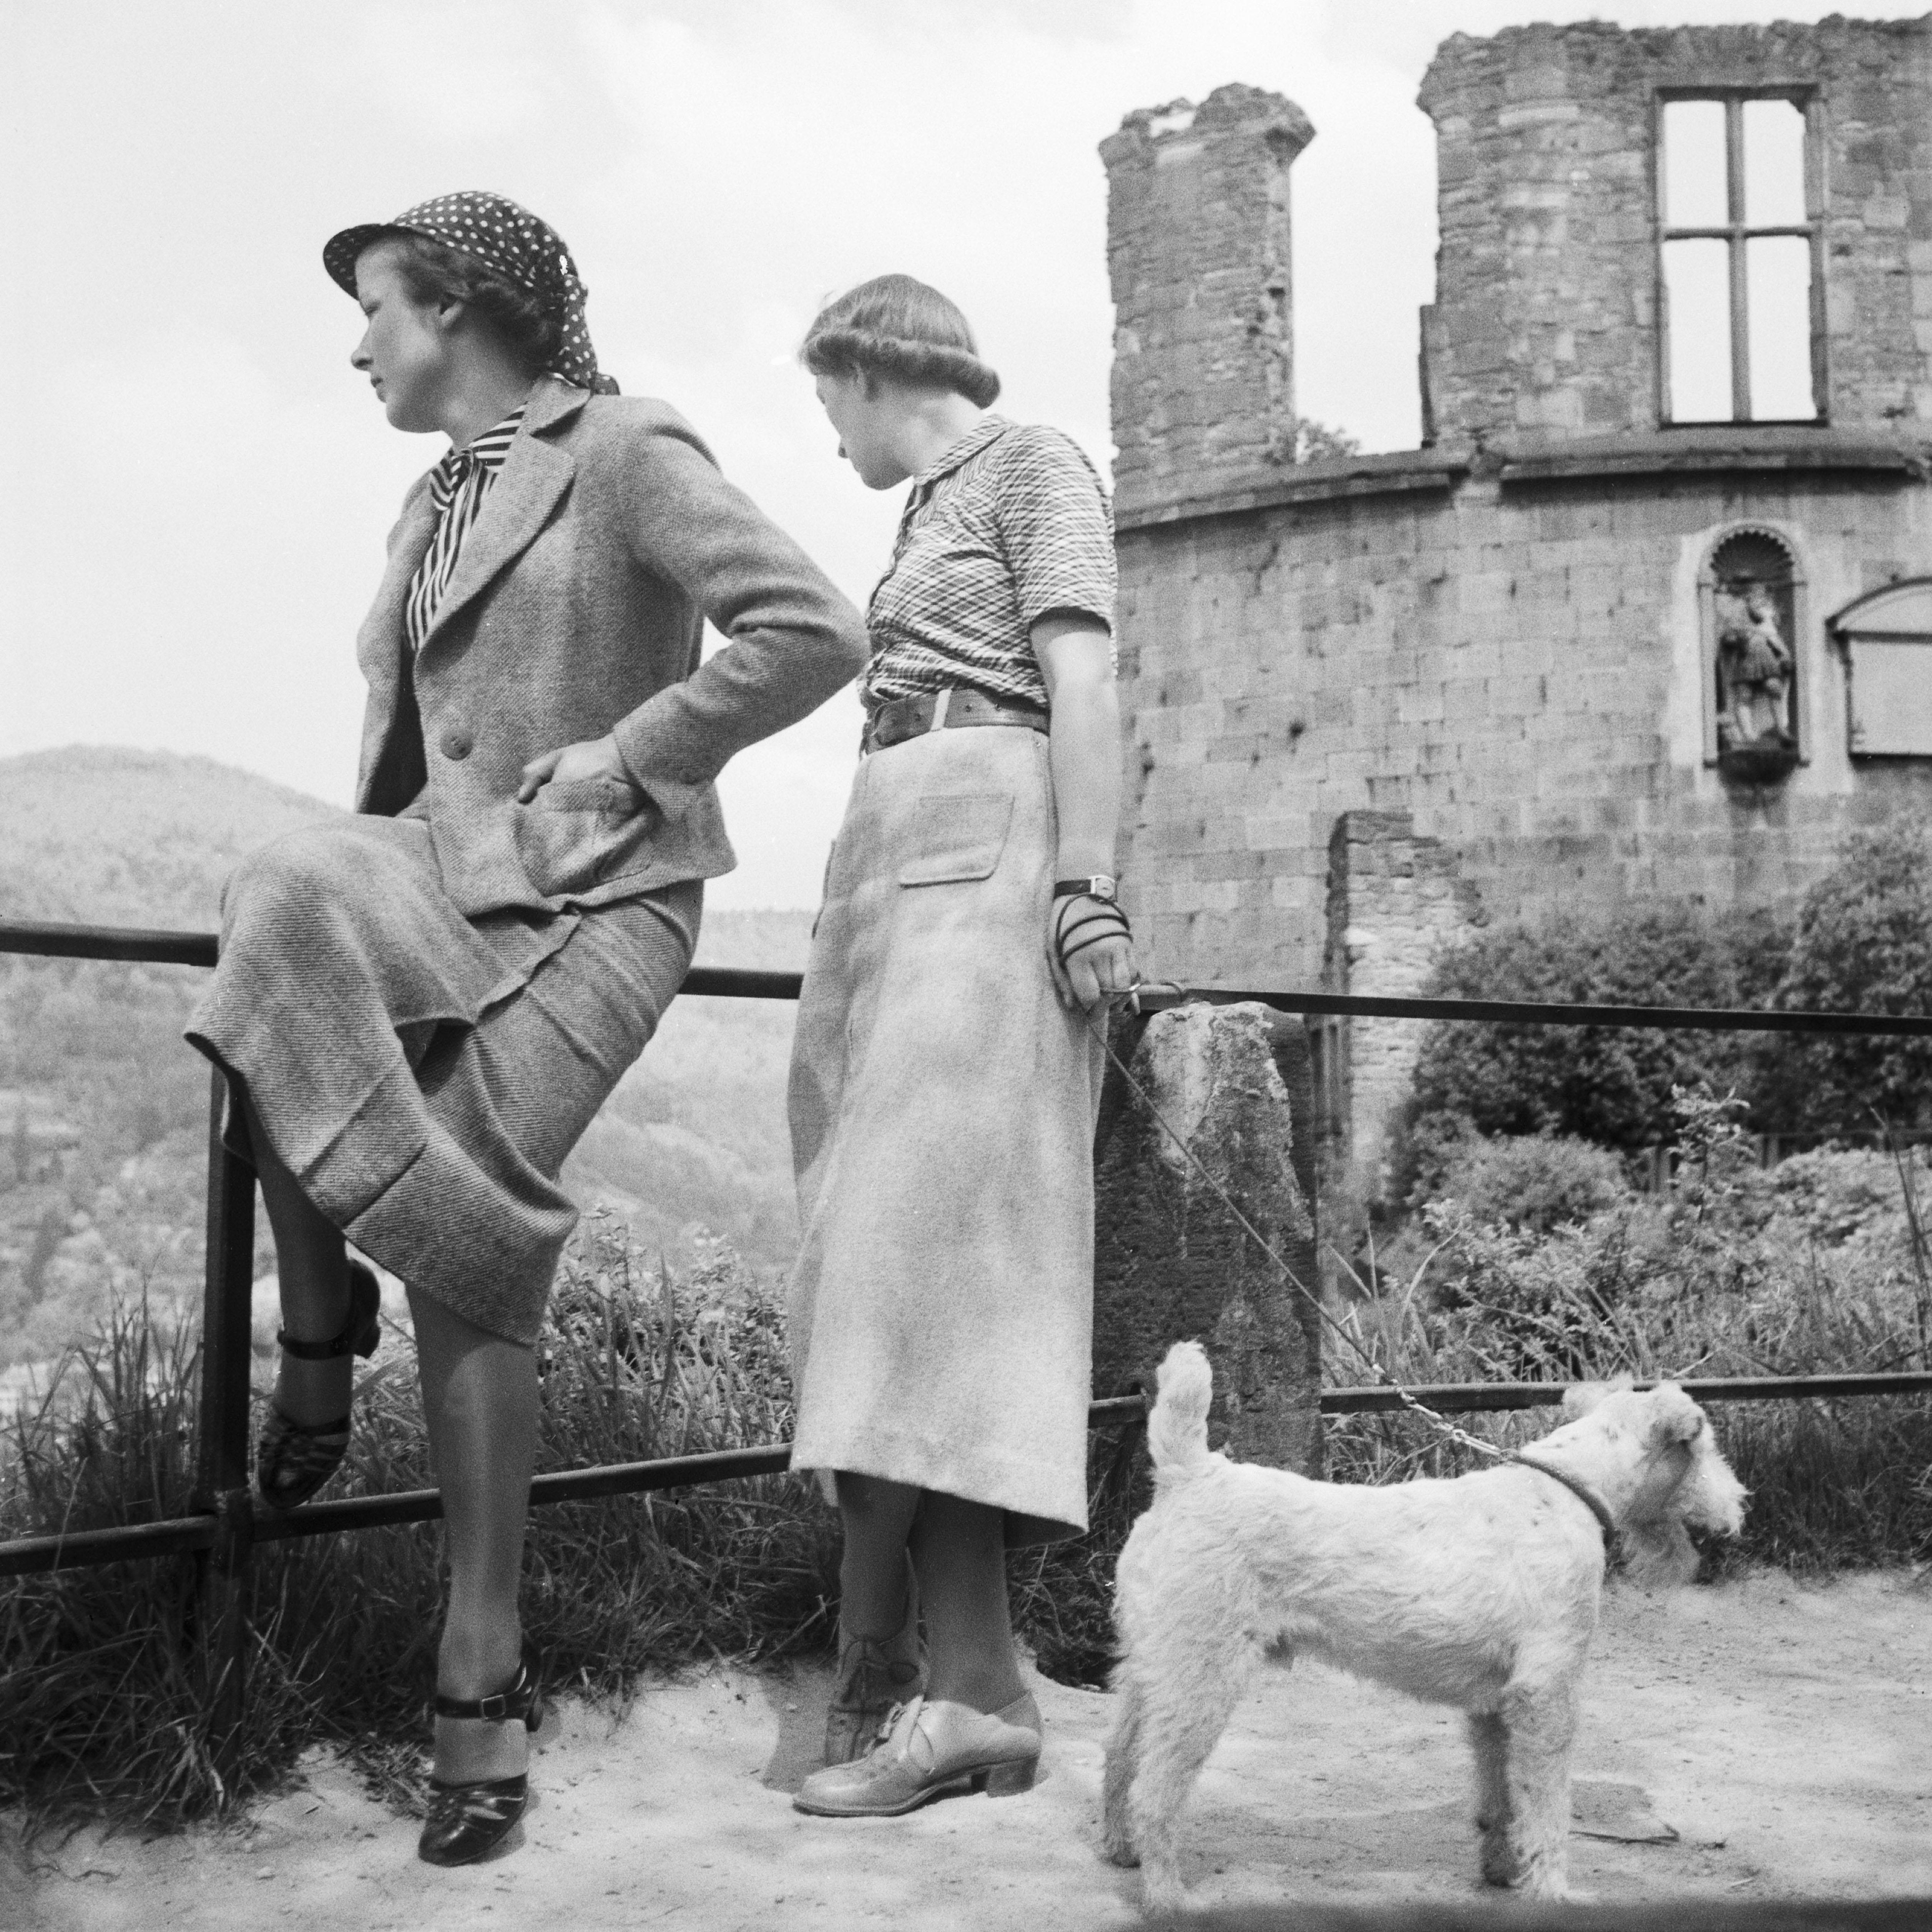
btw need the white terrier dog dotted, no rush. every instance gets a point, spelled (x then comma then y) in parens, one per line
(1480, 1592)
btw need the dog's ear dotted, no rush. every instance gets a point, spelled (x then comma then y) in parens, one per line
(1580, 1398)
(1676, 1418)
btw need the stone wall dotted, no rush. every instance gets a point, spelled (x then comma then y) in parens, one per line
(1397, 901)
(1516, 666)
(1545, 317)
(1493, 664)
(1198, 252)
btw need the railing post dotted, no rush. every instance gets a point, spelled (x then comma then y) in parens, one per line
(222, 1459)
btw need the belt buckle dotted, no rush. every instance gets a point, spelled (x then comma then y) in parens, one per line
(941, 702)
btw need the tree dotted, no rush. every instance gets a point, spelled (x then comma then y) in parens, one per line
(1609, 1084)
(1862, 944)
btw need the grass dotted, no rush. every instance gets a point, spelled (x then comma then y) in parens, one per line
(101, 1671)
(103, 1675)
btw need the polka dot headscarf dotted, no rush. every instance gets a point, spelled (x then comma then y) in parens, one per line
(505, 238)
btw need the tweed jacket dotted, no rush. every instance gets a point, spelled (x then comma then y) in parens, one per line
(577, 609)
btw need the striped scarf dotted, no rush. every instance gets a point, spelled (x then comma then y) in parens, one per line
(457, 486)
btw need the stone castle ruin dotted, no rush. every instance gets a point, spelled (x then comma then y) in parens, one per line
(1648, 614)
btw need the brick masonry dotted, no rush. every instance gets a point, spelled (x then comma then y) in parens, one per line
(1487, 658)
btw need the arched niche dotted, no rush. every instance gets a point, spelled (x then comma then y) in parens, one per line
(1751, 618)
(1886, 639)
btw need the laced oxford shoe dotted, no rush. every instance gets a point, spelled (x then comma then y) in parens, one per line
(875, 1676)
(926, 1750)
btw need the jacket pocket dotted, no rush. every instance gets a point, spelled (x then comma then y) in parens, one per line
(567, 833)
(955, 838)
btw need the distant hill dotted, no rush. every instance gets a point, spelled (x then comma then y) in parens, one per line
(109, 837)
(104, 1107)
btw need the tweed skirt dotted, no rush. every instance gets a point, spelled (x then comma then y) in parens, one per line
(942, 1105)
(423, 1075)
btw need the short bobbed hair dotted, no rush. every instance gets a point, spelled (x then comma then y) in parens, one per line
(524, 321)
(899, 328)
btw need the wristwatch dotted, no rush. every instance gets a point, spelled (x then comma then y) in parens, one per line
(1099, 887)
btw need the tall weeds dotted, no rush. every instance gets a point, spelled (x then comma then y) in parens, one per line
(104, 1681)
(101, 1670)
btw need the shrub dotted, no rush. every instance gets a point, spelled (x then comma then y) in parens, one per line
(1317, 441)
(1862, 944)
(1532, 1182)
(1839, 1195)
(1726, 1273)
(1860, 941)
(1611, 1085)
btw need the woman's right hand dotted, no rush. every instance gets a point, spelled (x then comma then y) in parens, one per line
(594, 758)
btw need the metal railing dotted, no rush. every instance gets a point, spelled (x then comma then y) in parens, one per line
(228, 1522)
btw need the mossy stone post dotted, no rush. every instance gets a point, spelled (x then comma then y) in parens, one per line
(1232, 1085)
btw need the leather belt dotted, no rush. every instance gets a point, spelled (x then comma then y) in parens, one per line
(900, 718)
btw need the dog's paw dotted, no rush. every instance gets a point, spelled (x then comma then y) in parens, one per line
(1541, 1879)
(1163, 1898)
(1500, 1866)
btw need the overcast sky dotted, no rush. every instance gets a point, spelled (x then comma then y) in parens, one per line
(197, 486)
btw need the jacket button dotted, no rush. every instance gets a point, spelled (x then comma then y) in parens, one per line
(456, 744)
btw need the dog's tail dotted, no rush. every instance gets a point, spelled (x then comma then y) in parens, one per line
(1177, 1429)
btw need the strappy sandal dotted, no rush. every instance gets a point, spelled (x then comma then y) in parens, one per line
(293, 1459)
(467, 1821)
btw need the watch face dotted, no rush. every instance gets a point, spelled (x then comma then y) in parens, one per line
(1100, 887)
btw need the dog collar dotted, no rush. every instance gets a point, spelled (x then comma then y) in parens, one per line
(1588, 1497)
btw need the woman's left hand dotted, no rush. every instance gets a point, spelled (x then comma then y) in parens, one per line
(594, 758)
(1102, 971)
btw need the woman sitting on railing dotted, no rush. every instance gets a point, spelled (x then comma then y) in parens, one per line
(421, 1008)
(946, 1068)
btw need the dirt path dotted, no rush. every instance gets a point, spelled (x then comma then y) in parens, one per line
(1761, 1739)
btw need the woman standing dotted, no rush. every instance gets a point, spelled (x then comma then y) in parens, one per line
(420, 1008)
(946, 1067)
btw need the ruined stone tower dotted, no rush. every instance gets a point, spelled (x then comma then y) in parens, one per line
(1649, 614)
(1197, 249)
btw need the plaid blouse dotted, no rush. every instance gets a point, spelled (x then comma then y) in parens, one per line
(457, 486)
(1011, 525)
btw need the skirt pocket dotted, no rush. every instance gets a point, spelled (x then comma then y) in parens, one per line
(956, 837)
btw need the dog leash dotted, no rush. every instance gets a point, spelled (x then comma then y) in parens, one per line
(1605, 1523)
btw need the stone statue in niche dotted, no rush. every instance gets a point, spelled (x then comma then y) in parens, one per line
(1753, 697)
(1754, 670)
